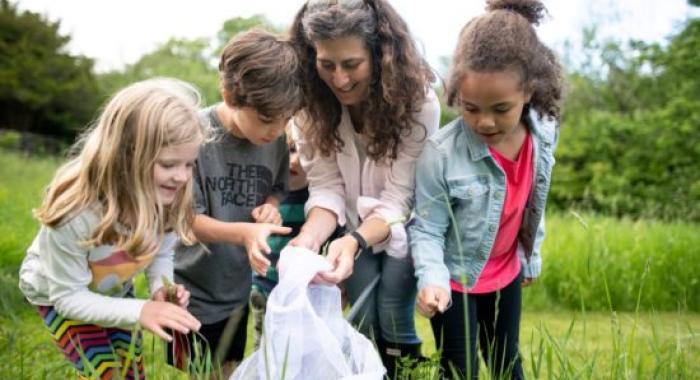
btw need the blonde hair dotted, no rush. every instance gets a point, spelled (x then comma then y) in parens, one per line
(112, 171)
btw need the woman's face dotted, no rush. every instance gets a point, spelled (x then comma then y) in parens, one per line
(345, 65)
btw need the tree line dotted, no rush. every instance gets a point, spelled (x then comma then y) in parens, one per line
(629, 137)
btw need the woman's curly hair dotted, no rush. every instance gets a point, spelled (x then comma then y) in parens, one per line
(400, 75)
(504, 38)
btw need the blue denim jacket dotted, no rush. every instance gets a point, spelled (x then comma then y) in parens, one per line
(460, 191)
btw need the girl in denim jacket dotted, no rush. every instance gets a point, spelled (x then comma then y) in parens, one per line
(481, 188)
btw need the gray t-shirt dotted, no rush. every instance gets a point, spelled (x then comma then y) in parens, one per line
(232, 176)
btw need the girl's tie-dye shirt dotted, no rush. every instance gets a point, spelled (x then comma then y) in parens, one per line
(89, 284)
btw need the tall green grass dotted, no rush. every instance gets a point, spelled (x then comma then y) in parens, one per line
(587, 258)
(596, 313)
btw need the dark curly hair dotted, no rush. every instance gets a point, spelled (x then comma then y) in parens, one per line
(400, 75)
(504, 38)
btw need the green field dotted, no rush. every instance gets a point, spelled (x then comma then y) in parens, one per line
(618, 298)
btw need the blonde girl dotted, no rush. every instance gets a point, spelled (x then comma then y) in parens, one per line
(116, 209)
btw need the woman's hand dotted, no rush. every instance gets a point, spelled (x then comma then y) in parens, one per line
(305, 240)
(156, 316)
(432, 299)
(341, 255)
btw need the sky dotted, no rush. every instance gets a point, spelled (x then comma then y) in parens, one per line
(119, 32)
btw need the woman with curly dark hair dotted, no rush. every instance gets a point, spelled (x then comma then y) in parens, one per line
(368, 112)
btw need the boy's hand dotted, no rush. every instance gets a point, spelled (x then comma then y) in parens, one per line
(173, 293)
(267, 213)
(255, 243)
(156, 316)
(432, 299)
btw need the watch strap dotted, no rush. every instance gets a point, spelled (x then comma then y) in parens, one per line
(361, 242)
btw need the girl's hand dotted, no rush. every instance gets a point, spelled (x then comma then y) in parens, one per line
(527, 281)
(175, 293)
(267, 213)
(341, 255)
(432, 299)
(255, 243)
(305, 240)
(156, 316)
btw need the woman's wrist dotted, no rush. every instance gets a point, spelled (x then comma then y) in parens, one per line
(349, 246)
(359, 243)
(308, 233)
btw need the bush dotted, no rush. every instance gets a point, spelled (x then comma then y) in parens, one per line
(629, 137)
(644, 165)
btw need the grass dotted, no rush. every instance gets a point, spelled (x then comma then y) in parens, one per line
(587, 257)
(585, 319)
(554, 345)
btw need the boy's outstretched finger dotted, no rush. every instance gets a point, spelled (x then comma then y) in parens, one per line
(280, 230)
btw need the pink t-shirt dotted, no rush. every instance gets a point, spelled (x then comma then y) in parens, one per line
(503, 264)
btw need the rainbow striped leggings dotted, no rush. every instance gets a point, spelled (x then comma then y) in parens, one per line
(96, 352)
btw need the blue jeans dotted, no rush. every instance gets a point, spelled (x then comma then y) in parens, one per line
(390, 308)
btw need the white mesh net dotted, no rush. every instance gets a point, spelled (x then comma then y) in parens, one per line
(305, 335)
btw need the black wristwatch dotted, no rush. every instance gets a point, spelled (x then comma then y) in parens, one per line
(361, 242)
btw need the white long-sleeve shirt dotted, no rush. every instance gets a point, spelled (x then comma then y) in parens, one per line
(88, 284)
(356, 191)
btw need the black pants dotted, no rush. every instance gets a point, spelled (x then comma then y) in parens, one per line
(495, 319)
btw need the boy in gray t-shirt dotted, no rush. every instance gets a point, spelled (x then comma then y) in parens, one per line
(240, 177)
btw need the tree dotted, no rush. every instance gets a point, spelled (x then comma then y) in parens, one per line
(43, 89)
(191, 60)
(629, 138)
(237, 25)
(188, 60)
